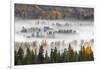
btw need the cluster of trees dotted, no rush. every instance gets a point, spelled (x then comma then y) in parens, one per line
(52, 12)
(68, 55)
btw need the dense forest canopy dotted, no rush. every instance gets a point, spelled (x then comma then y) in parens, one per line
(27, 53)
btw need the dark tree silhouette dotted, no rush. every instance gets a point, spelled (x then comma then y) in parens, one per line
(40, 55)
(68, 55)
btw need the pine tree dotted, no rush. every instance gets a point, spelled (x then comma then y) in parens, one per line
(32, 57)
(55, 55)
(40, 55)
(27, 58)
(75, 58)
(91, 56)
(20, 55)
(70, 54)
(65, 55)
(46, 57)
(16, 58)
(82, 54)
(59, 59)
(88, 54)
(51, 56)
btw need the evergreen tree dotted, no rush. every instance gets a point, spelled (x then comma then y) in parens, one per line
(46, 57)
(33, 57)
(20, 55)
(27, 58)
(40, 55)
(65, 55)
(55, 55)
(88, 54)
(91, 56)
(70, 54)
(16, 58)
(82, 54)
(51, 56)
(59, 59)
(75, 58)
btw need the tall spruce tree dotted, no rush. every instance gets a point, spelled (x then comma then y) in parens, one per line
(27, 58)
(55, 55)
(51, 56)
(82, 54)
(70, 54)
(75, 58)
(32, 57)
(20, 55)
(65, 55)
(46, 57)
(59, 59)
(41, 55)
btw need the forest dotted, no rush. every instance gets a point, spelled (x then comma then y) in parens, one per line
(68, 55)
(28, 11)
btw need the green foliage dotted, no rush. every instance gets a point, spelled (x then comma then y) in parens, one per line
(28, 59)
(64, 55)
(40, 55)
(68, 55)
(46, 57)
(19, 56)
(51, 56)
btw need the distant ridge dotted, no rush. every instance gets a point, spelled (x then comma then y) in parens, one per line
(30, 11)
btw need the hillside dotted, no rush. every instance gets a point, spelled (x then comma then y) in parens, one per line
(29, 11)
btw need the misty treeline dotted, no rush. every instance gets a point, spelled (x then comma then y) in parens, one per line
(30, 56)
